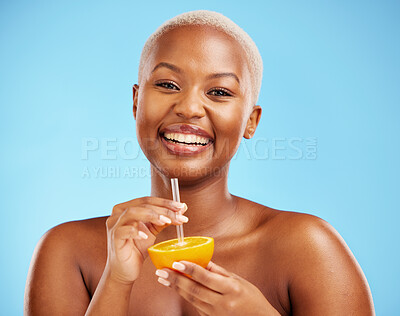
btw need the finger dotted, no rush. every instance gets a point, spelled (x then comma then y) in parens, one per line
(192, 289)
(149, 215)
(173, 205)
(175, 218)
(169, 278)
(202, 307)
(142, 227)
(148, 231)
(212, 280)
(123, 233)
(213, 267)
(144, 214)
(156, 201)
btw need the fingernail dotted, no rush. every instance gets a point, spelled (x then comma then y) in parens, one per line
(142, 235)
(182, 218)
(179, 266)
(179, 205)
(165, 219)
(164, 282)
(162, 273)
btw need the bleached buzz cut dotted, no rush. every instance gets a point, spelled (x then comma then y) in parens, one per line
(221, 23)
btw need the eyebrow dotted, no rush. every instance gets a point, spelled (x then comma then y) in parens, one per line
(167, 65)
(212, 76)
(224, 74)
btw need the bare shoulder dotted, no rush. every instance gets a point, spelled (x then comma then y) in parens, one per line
(57, 261)
(91, 225)
(296, 228)
(71, 239)
(308, 237)
(323, 276)
(77, 233)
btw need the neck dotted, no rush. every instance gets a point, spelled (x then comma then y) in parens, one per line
(210, 205)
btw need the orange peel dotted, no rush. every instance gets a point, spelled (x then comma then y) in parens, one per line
(196, 249)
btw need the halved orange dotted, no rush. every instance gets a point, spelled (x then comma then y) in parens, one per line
(196, 249)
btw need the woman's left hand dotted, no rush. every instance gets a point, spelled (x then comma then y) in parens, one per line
(215, 291)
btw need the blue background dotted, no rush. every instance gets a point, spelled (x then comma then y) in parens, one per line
(331, 74)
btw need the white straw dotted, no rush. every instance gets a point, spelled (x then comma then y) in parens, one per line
(176, 197)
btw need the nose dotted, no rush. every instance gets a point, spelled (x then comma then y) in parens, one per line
(190, 105)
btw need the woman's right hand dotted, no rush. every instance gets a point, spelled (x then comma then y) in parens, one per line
(132, 228)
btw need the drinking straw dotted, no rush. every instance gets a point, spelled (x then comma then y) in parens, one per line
(176, 197)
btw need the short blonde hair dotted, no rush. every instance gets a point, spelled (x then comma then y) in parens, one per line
(222, 23)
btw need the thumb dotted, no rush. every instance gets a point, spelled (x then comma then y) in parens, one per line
(213, 267)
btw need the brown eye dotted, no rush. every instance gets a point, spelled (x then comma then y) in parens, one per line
(167, 85)
(220, 92)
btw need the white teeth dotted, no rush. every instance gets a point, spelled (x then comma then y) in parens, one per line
(199, 139)
(187, 138)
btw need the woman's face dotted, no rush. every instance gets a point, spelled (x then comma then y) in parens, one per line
(192, 104)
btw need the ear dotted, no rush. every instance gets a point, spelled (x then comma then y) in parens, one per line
(252, 122)
(135, 90)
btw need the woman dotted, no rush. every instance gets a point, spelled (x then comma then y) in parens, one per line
(199, 79)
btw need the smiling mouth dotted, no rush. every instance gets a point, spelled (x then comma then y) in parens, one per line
(186, 139)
